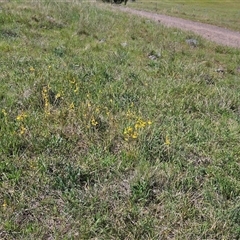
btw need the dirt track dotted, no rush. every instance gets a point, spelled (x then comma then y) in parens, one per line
(216, 34)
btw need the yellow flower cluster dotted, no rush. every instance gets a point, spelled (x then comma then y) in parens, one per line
(71, 106)
(20, 118)
(45, 97)
(4, 112)
(75, 85)
(167, 141)
(133, 132)
(141, 124)
(92, 112)
(94, 122)
(130, 133)
(58, 95)
(4, 205)
(22, 130)
(129, 114)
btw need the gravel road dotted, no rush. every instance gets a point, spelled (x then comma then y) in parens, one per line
(213, 33)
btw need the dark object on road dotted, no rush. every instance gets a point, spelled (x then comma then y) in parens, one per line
(116, 1)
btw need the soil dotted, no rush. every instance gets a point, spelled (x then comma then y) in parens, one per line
(221, 36)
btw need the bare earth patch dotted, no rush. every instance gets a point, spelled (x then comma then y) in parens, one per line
(216, 34)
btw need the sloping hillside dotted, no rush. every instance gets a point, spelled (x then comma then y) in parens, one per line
(115, 127)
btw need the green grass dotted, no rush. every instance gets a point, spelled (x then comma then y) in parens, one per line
(113, 127)
(222, 13)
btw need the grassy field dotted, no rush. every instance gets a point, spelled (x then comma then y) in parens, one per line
(113, 127)
(224, 13)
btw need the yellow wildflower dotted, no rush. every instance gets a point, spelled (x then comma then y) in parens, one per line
(73, 81)
(21, 117)
(58, 95)
(130, 133)
(32, 166)
(76, 88)
(4, 205)
(94, 122)
(71, 106)
(45, 97)
(22, 130)
(4, 112)
(134, 135)
(167, 141)
(128, 130)
(140, 124)
(46, 106)
(129, 114)
(31, 69)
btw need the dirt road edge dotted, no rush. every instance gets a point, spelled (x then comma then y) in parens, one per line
(213, 33)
